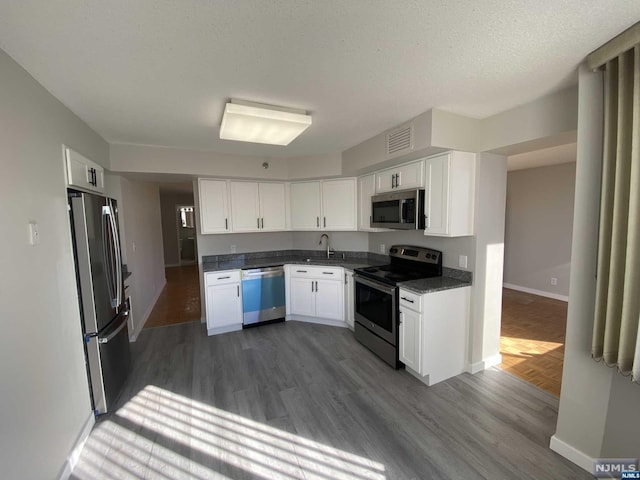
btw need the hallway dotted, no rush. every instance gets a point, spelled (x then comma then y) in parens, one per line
(532, 338)
(179, 302)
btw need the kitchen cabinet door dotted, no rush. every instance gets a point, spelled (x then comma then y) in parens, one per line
(339, 204)
(245, 206)
(302, 291)
(366, 190)
(305, 206)
(223, 306)
(449, 194)
(83, 173)
(410, 339)
(214, 206)
(436, 198)
(402, 177)
(329, 299)
(273, 212)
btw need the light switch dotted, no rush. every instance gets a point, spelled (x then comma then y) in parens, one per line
(382, 248)
(233, 249)
(34, 233)
(462, 261)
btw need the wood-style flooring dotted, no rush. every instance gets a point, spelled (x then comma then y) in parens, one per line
(532, 338)
(179, 302)
(303, 401)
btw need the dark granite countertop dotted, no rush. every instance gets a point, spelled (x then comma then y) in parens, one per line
(452, 278)
(350, 261)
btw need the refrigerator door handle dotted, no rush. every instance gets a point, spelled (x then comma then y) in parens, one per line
(123, 323)
(108, 256)
(116, 246)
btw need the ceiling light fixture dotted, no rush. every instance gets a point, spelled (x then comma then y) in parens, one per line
(258, 123)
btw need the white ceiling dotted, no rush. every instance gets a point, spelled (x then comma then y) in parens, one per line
(159, 73)
(542, 158)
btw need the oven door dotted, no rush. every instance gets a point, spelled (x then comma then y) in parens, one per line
(376, 308)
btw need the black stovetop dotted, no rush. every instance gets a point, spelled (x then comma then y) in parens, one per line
(407, 263)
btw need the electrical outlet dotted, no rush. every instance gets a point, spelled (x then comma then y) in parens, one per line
(233, 249)
(134, 246)
(554, 281)
(383, 248)
(462, 261)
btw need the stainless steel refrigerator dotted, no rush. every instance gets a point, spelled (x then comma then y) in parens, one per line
(103, 308)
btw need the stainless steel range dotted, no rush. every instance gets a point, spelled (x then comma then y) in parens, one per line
(376, 297)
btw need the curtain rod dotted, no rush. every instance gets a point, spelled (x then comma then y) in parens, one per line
(614, 47)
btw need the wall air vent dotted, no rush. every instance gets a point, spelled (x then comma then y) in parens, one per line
(400, 141)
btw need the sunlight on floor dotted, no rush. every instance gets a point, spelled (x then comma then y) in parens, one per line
(189, 438)
(521, 349)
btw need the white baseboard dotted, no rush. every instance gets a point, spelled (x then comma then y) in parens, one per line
(74, 455)
(145, 317)
(488, 362)
(572, 454)
(533, 291)
(319, 321)
(226, 329)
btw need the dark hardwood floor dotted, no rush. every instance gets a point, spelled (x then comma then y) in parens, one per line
(302, 401)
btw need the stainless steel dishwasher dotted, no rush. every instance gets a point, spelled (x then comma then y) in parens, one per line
(263, 298)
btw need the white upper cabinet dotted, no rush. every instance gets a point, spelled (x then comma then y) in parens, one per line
(366, 189)
(324, 205)
(258, 207)
(214, 206)
(449, 194)
(273, 206)
(402, 177)
(306, 205)
(83, 173)
(339, 204)
(245, 206)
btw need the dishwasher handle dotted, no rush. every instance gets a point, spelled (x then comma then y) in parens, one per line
(263, 273)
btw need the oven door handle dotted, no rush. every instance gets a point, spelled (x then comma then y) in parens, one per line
(377, 285)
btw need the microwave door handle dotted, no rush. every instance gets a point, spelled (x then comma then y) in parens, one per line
(403, 211)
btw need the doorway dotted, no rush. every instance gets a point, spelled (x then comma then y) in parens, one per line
(537, 261)
(186, 229)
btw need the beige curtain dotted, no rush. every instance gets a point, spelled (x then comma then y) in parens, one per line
(617, 316)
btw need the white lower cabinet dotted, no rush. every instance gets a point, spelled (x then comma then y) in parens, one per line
(223, 301)
(433, 333)
(315, 292)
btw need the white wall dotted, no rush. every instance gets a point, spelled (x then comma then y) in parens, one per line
(598, 415)
(452, 248)
(45, 396)
(140, 208)
(539, 225)
(339, 241)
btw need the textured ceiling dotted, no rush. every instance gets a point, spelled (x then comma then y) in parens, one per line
(159, 72)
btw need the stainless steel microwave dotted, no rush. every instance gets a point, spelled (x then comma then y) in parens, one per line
(402, 210)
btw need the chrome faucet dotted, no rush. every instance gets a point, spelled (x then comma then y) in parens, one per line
(329, 249)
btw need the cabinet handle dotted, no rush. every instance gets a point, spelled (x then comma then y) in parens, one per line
(316, 287)
(328, 273)
(226, 224)
(222, 278)
(325, 222)
(312, 287)
(238, 287)
(258, 222)
(407, 300)
(400, 319)
(345, 278)
(301, 271)
(397, 180)
(393, 181)
(318, 222)
(262, 222)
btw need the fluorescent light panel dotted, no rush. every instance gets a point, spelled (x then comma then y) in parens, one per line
(258, 123)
